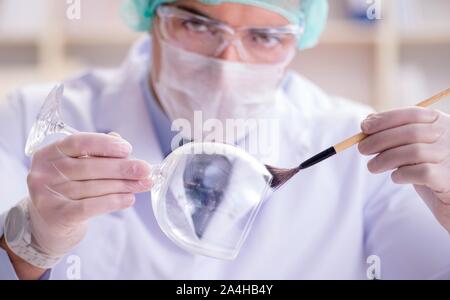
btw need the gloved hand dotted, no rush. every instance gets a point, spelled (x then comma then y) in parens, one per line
(76, 179)
(415, 142)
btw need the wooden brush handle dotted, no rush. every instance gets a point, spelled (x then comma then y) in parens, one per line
(436, 98)
(361, 136)
(349, 142)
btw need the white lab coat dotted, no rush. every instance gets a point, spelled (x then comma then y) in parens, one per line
(323, 224)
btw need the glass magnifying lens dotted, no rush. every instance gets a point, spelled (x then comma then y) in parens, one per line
(205, 196)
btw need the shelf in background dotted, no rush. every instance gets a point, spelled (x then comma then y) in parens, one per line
(348, 32)
(96, 39)
(10, 40)
(425, 37)
(352, 32)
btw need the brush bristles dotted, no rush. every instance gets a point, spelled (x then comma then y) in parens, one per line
(281, 176)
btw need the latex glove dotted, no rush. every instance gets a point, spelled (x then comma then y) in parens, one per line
(66, 188)
(415, 143)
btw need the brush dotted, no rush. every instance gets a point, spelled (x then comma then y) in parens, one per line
(281, 176)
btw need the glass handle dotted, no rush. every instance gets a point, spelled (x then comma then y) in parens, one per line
(156, 175)
(67, 130)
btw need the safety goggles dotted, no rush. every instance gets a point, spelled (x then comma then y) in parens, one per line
(202, 35)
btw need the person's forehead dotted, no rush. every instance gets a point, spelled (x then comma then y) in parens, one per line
(235, 14)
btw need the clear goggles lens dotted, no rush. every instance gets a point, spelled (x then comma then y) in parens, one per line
(209, 37)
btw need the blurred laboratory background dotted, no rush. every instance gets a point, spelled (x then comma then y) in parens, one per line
(397, 59)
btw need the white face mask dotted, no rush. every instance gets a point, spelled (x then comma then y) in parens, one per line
(189, 82)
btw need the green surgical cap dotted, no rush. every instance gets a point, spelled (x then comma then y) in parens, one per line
(138, 14)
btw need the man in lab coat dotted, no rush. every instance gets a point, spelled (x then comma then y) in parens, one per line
(82, 207)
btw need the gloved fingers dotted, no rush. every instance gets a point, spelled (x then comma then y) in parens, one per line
(80, 169)
(94, 144)
(411, 154)
(398, 117)
(115, 134)
(433, 176)
(84, 145)
(399, 136)
(78, 190)
(83, 210)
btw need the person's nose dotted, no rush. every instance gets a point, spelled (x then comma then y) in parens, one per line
(230, 53)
